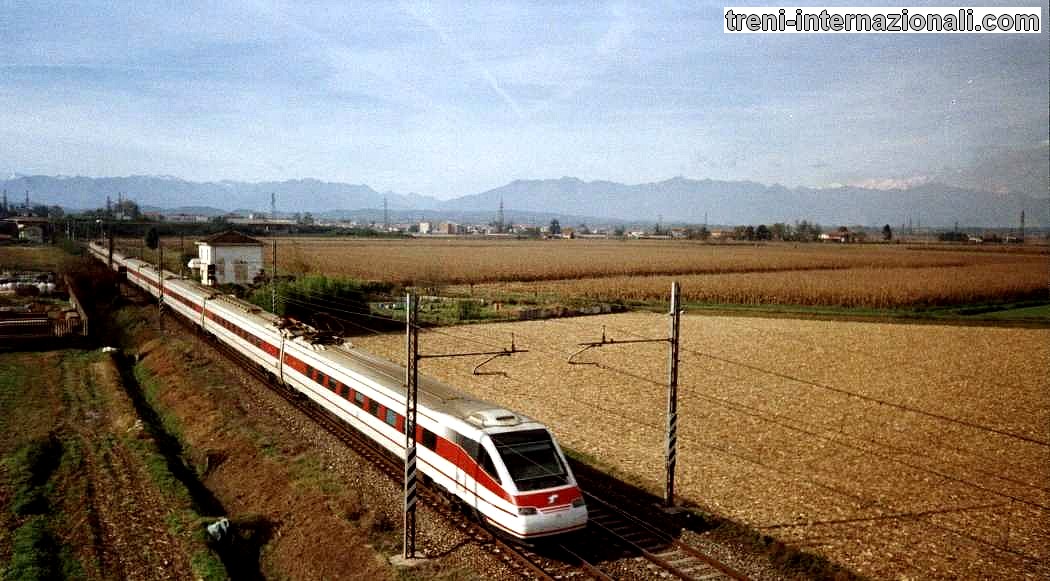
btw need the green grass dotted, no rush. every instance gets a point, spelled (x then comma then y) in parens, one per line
(207, 566)
(35, 552)
(1041, 312)
(308, 470)
(31, 467)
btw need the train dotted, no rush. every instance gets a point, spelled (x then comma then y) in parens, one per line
(504, 466)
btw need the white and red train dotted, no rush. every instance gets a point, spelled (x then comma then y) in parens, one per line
(506, 466)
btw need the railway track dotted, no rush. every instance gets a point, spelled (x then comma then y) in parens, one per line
(661, 549)
(612, 534)
(524, 561)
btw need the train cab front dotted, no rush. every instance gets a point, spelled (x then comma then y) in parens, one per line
(546, 497)
(551, 512)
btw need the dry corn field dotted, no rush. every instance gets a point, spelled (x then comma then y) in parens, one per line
(814, 274)
(901, 451)
(874, 276)
(883, 287)
(452, 261)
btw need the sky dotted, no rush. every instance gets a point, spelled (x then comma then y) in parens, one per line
(449, 99)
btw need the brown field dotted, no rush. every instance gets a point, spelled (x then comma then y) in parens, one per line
(881, 287)
(781, 274)
(902, 451)
(31, 258)
(445, 261)
(872, 276)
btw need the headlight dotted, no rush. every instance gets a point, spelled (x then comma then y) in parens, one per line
(578, 502)
(526, 510)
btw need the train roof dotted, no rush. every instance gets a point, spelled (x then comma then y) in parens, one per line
(433, 394)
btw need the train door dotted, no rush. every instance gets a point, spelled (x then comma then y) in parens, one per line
(485, 472)
(465, 482)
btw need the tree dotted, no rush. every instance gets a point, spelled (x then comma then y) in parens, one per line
(887, 233)
(555, 228)
(780, 231)
(806, 232)
(762, 232)
(128, 209)
(152, 238)
(749, 232)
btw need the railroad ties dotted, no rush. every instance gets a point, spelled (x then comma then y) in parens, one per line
(664, 552)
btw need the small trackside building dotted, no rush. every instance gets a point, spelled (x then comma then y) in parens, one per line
(237, 259)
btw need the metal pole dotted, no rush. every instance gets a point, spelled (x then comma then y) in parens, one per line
(182, 256)
(160, 286)
(110, 257)
(672, 396)
(273, 280)
(411, 392)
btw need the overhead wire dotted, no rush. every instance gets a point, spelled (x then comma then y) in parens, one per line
(717, 449)
(760, 415)
(846, 392)
(757, 413)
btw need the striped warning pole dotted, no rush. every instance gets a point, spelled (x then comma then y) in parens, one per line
(411, 393)
(672, 395)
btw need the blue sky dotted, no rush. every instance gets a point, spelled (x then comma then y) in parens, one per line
(452, 99)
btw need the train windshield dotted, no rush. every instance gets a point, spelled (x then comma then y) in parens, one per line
(531, 459)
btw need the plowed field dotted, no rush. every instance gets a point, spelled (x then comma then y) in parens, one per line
(909, 451)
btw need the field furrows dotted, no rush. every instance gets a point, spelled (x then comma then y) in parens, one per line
(895, 449)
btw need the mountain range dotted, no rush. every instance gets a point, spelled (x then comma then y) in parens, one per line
(677, 200)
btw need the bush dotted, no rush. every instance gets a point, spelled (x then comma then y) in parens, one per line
(467, 310)
(322, 301)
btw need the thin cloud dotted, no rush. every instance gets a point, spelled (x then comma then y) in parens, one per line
(426, 18)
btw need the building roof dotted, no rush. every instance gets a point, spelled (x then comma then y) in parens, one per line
(229, 238)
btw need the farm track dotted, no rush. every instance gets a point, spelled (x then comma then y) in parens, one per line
(611, 547)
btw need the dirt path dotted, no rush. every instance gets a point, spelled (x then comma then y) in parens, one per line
(105, 509)
(127, 512)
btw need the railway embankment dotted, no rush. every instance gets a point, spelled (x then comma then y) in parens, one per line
(288, 487)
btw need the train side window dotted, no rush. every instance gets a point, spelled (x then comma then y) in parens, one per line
(429, 440)
(373, 407)
(470, 446)
(486, 464)
(309, 372)
(391, 417)
(359, 399)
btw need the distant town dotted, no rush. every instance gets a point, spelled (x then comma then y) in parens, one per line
(37, 222)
